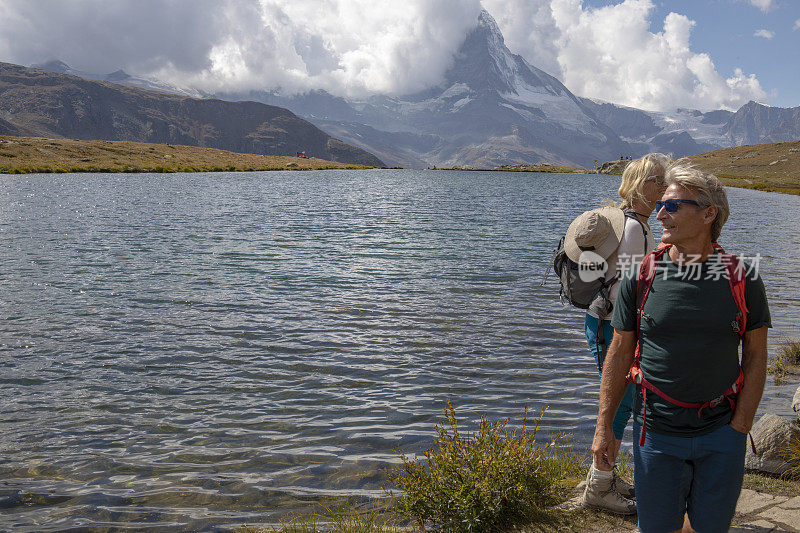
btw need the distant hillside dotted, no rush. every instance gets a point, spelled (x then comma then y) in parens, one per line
(770, 167)
(23, 155)
(35, 102)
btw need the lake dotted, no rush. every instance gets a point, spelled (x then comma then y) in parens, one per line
(196, 351)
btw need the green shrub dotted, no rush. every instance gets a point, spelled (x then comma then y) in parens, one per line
(481, 482)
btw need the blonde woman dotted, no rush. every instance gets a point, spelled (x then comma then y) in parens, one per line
(642, 185)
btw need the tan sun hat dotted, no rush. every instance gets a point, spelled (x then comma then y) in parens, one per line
(599, 231)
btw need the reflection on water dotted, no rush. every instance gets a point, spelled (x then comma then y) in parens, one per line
(189, 351)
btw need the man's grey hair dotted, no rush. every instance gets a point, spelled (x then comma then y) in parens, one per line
(708, 188)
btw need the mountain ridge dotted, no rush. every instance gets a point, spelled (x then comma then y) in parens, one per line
(687, 132)
(34, 102)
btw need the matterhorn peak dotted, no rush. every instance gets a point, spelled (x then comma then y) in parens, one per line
(486, 65)
(486, 20)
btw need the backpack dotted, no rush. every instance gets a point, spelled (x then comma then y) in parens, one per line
(576, 291)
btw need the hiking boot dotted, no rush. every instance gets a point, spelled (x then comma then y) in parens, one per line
(603, 495)
(623, 487)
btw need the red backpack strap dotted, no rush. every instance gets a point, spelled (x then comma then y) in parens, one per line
(647, 272)
(736, 279)
(644, 282)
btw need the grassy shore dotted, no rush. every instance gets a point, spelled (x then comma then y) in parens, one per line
(540, 167)
(24, 155)
(771, 167)
(766, 167)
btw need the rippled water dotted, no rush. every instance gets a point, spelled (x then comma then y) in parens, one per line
(201, 350)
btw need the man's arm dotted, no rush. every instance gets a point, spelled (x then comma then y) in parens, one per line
(612, 389)
(754, 368)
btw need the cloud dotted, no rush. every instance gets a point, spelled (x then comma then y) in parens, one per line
(763, 5)
(796, 24)
(529, 30)
(766, 34)
(610, 53)
(346, 46)
(362, 47)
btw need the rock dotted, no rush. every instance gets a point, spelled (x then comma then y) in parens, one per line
(771, 434)
(613, 167)
(292, 165)
(796, 402)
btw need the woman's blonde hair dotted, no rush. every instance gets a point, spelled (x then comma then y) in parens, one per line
(633, 178)
(708, 188)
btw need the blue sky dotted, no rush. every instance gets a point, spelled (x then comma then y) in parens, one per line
(658, 54)
(726, 29)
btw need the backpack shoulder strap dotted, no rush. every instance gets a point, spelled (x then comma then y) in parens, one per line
(736, 278)
(630, 213)
(647, 272)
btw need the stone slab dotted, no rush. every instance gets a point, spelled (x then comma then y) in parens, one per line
(787, 517)
(794, 503)
(751, 501)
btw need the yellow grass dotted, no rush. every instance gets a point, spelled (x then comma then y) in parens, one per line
(22, 155)
(768, 167)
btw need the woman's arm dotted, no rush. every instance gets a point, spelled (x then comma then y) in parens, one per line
(612, 389)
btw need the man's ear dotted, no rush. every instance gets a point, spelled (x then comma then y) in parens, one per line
(711, 214)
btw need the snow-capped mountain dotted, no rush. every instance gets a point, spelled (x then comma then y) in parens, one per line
(681, 132)
(688, 131)
(493, 108)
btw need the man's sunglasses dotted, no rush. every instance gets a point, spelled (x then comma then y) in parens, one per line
(673, 204)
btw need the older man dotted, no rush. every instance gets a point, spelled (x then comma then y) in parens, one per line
(677, 328)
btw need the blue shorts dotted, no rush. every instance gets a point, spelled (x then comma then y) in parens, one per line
(701, 476)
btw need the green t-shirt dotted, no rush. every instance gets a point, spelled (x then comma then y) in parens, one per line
(689, 349)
